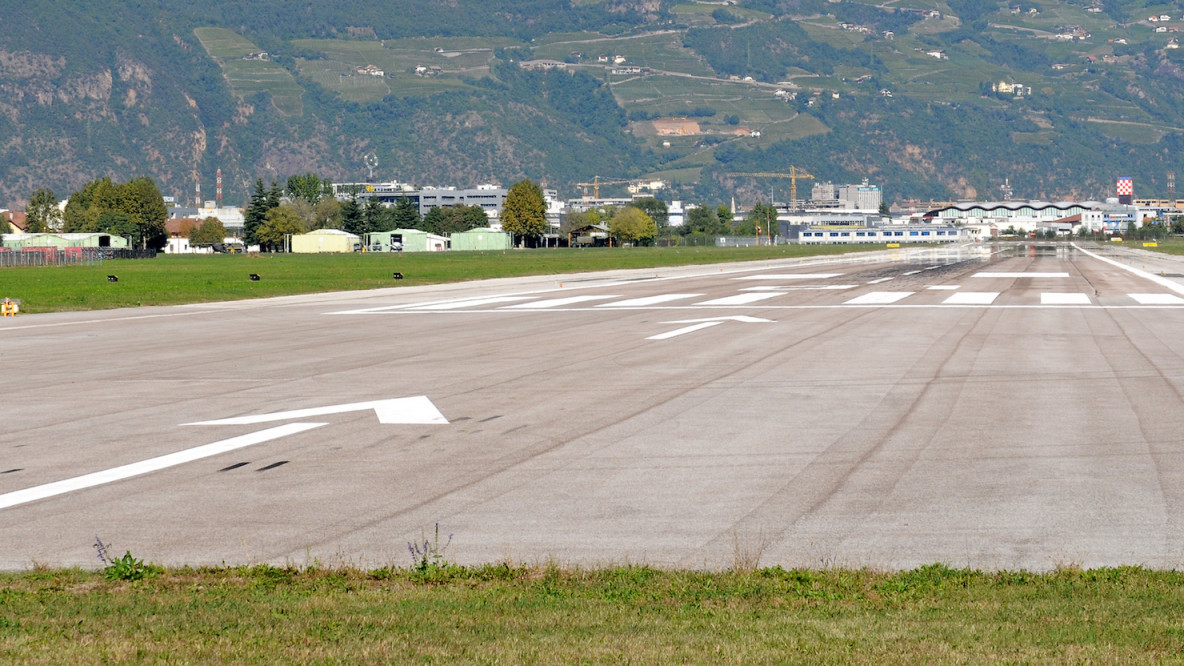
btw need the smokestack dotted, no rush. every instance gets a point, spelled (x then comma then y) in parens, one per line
(1126, 190)
(197, 195)
(218, 188)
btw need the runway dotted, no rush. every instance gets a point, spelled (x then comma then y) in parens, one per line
(1013, 406)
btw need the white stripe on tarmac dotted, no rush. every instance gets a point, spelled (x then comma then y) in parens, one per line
(1054, 298)
(944, 287)
(684, 330)
(151, 465)
(1157, 299)
(648, 300)
(558, 302)
(1157, 279)
(1021, 275)
(476, 302)
(740, 299)
(879, 298)
(790, 276)
(972, 298)
(879, 281)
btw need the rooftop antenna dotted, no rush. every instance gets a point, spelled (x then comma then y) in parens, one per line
(1005, 188)
(371, 161)
(1172, 186)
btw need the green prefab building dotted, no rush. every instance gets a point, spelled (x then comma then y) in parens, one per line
(413, 240)
(481, 239)
(63, 241)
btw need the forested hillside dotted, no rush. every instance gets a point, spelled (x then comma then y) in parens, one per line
(929, 99)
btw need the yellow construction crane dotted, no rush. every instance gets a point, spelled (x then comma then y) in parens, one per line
(597, 182)
(793, 175)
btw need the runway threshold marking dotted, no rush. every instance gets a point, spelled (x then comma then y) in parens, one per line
(1157, 299)
(413, 410)
(972, 298)
(700, 324)
(879, 298)
(1020, 275)
(1055, 298)
(647, 300)
(93, 479)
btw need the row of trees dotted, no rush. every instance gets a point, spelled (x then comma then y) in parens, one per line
(134, 210)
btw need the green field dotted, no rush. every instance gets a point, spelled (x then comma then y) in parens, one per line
(248, 77)
(179, 279)
(624, 614)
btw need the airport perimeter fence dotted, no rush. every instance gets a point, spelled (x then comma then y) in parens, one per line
(56, 256)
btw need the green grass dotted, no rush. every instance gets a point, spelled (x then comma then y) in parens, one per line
(179, 279)
(248, 77)
(508, 614)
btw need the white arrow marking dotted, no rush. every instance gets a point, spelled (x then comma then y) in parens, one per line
(700, 324)
(151, 465)
(417, 410)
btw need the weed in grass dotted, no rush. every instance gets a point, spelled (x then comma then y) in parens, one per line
(122, 568)
(429, 564)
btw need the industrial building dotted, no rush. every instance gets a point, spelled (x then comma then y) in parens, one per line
(481, 239)
(62, 241)
(325, 240)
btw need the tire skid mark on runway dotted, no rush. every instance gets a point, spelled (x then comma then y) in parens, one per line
(1144, 392)
(514, 461)
(843, 461)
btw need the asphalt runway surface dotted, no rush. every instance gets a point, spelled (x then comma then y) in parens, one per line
(997, 407)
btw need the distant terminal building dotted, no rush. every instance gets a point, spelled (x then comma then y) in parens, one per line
(896, 233)
(1063, 217)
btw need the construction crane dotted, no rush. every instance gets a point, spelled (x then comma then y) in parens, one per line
(597, 182)
(793, 175)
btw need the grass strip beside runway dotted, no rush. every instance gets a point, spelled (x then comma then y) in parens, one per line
(505, 614)
(180, 279)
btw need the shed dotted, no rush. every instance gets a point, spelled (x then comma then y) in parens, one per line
(325, 240)
(481, 239)
(62, 241)
(413, 240)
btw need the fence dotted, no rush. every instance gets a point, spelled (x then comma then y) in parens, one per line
(58, 256)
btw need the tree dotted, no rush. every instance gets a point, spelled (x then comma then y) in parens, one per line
(406, 214)
(454, 219)
(210, 231)
(377, 216)
(703, 220)
(255, 213)
(308, 187)
(631, 225)
(525, 212)
(725, 217)
(84, 206)
(760, 221)
(141, 201)
(352, 219)
(42, 213)
(280, 222)
(326, 214)
(656, 209)
(433, 221)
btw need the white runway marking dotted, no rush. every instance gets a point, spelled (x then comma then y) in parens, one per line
(1055, 298)
(912, 272)
(944, 287)
(741, 299)
(879, 298)
(684, 330)
(476, 302)
(972, 298)
(879, 281)
(648, 300)
(558, 302)
(151, 465)
(790, 276)
(1157, 299)
(1021, 275)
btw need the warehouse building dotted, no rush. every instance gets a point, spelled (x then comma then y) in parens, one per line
(481, 239)
(325, 240)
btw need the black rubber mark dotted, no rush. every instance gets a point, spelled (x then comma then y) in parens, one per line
(513, 430)
(234, 466)
(463, 418)
(272, 466)
(492, 418)
(10, 471)
(424, 436)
